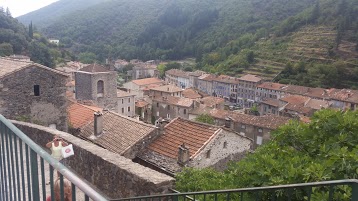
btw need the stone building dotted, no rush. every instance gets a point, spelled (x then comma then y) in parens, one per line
(144, 70)
(226, 87)
(126, 103)
(178, 78)
(144, 111)
(257, 128)
(171, 107)
(205, 84)
(97, 84)
(32, 92)
(141, 87)
(186, 143)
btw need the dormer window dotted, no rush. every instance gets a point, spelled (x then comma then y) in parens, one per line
(100, 88)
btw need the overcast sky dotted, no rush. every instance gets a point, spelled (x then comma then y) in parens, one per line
(20, 7)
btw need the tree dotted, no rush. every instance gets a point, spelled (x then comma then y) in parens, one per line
(6, 49)
(31, 31)
(8, 13)
(325, 149)
(40, 53)
(205, 118)
(87, 57)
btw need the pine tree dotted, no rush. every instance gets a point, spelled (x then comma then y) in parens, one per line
(8, 13)
(31, 32)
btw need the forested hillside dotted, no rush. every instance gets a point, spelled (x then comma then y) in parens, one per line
(47, 15)
(15, 38)
(306, 42)
(159, 29)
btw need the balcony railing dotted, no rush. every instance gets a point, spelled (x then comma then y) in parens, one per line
(343, 190)
(28, 172)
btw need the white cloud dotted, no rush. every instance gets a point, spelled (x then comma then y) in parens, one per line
(21, 7)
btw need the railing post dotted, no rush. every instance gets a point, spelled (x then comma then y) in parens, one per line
(34, 175)
(354, 191)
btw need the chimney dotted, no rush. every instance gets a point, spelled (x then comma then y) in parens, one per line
(161, 123)
(183, 154)
(98, 123)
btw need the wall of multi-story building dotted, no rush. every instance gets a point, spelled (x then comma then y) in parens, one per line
(183, 82)
(170, 111)
(126, 106)
(36, 95)
(154, 93)
(100, 87)
(222, 89)
(205, 86)
(262, 94)
(246, 93)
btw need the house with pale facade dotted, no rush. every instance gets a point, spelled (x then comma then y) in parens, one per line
(247, 88)
(165, 90)
(171, 107)
(178, 78)
(126, 103)
(142, 86)
(185, 143)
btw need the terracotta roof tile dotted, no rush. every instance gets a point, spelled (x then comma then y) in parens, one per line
(167, 88)
(94, 68)
(250, 78)
(80, 115)
(271, 86)
(347, 95)
(191, 93)
(179, 131)
(119, 132)
(184, 102)
(272, 102)
(141, 103)
(226, 79)
(147, 81)
(211, 101)
(295, 99)
(317, 104)
(177, 72)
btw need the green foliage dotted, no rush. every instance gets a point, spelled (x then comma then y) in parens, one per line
(6, 49)
(205, 118)
(87, 57)
(40, 53)
(325, 149)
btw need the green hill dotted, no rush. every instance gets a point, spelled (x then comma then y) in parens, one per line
(47, 15)
(168, 29)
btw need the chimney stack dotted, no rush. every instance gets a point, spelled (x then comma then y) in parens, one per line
(98, 123)
(183, 154)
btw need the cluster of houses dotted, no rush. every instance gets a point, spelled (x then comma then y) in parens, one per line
(139, 69)
(152, 121)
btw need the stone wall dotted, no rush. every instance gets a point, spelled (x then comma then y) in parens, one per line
(226, 146)
(86, 88)
(112, 174)
(18, 101)
(174, 111)
(124, 103)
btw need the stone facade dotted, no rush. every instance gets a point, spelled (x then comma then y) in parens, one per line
(126, 105)
(35, 94)
(100, 87)
(112, 174)
(169, 110)
(226, 146)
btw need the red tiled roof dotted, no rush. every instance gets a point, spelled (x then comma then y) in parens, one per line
(191, 93)
(271, 86)
(80, 115)
(347, 95)
(147, 81)
(70, 84)
(184, 102)
(167, 88)
(193, 134)
(94, 68)
(250, 78)
(211, 101)
(295, 99)
(177, 72)
(272, 102)
(227, 79)
(141, 103)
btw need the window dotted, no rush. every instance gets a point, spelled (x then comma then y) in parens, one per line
(259, 140)
(225, 145)
(168, 107)
(243, 126)
(260, 130)
(122, 101)
(36, 90)
(157, 113)
(100, 88)
(157, 104)
(122, 110)
(184, 111)
(168, 116)
(129, 100)
(208, 154)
